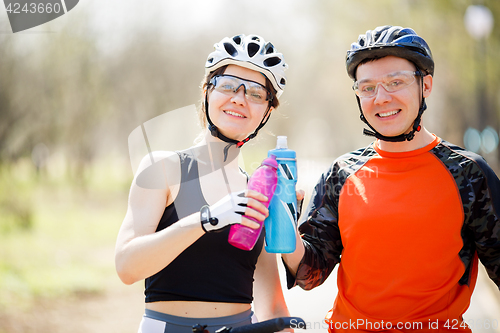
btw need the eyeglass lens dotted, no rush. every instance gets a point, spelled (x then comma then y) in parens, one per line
(392, 82)
(229, 85)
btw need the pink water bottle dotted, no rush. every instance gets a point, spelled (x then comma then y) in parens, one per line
(263, 180)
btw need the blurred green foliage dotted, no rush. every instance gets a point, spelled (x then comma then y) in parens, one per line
(80, 94)
(67, 92)
(67, 248)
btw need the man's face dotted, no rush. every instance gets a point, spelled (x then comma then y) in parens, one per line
(391, 113)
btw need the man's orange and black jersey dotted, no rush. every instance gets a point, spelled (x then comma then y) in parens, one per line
(406, 230)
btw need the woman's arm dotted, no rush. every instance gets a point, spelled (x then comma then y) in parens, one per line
(268, 295)
(138, 245)
(141, 251)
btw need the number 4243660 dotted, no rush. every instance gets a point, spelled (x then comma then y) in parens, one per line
(33, 8)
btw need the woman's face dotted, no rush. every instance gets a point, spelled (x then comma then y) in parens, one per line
(235, 116)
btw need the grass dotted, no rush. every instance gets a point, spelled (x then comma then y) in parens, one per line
(57, 238)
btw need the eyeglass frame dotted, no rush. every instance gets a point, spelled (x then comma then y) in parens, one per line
(375, 91)
(269, 96)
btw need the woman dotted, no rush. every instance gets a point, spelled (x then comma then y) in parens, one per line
(193, 275)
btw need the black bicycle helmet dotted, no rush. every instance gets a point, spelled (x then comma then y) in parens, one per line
(390, 40)
(396, 41)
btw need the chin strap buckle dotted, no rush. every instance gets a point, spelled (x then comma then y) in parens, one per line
(410, 136)
(242, 142)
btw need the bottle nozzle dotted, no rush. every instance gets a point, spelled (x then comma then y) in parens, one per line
(271, 161)
(281, 143)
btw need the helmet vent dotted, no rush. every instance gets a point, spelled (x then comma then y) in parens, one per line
(253, 48)
(269, 48)
(230, 49)
(282, 81)
(210, 60)
(270, 62)
(237, 39)
(255, 38)
(406, 31)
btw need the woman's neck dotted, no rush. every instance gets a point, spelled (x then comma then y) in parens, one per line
(213, 152)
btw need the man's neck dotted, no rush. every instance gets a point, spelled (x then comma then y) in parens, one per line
(421, 139)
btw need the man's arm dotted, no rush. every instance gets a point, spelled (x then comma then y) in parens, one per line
(486, 220)
(319, 245)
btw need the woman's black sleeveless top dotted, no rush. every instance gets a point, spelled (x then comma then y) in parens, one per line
(210, 270)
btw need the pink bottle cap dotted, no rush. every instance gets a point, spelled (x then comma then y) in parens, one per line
(271, 161)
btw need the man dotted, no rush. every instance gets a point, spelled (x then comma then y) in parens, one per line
(407, 217)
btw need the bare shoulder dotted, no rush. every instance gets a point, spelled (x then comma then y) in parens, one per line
(151, 191)
(158, 170)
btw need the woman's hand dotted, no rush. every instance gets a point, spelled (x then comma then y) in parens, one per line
(235, 208)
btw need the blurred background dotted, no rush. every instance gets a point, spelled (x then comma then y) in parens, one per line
(72, 92)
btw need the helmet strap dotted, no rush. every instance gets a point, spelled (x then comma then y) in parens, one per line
(214, 131)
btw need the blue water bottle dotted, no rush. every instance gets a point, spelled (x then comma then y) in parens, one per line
(281, 223)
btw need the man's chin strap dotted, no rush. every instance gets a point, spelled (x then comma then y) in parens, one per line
(216, 133)
(398, 138)
(402, 137)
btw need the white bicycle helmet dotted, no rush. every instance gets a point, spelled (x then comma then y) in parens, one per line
(252, 52)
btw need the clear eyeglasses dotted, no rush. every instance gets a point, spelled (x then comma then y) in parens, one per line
(392, 82)
(229, 85)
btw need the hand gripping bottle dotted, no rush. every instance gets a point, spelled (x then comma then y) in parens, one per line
(282, 220)
(263, 180)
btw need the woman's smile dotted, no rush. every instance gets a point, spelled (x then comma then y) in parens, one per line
(234, 113)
